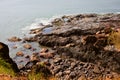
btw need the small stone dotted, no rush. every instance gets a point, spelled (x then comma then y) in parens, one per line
(67, 77)
(82, 63)
(85, 71)
(44, 50)
(27, 46)
(70, 45)
(59, 74)
(20, 53)
(35, 31)
(14, 39)
(108, 78)
(72, 74)
(57, 60)
(28, 70)
(82, 78)
(96, 70)
(34, 58)
(30, 39)
(56, 69)
(20, 66)
(21, 61)
(80, 67)
(73, 64)
(61, 63)
(34, 49)
(98, 32)
(27, 56)
(67, 72)
(86, 65)
(14, 47)
(46, 55)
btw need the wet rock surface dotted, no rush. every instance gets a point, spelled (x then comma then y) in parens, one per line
(78, 47)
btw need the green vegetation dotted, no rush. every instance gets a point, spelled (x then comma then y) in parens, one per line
(34, 76)
(5, 68)
(39, 72)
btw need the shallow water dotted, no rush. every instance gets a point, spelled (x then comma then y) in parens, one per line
(17, 14)
(47, 30)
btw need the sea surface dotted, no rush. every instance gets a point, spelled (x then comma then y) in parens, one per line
(17, 16)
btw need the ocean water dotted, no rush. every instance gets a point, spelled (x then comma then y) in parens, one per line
(16, 16)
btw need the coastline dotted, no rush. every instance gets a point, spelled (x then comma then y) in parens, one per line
(76, 47)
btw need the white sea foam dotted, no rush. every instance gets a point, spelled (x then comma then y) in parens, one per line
(39, 22)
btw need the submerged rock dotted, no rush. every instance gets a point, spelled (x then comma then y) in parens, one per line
(27, 46)
(20, 53)
(14, 39)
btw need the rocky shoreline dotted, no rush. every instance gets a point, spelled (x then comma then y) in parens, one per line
(78, 47)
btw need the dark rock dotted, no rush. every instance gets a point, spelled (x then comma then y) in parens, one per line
(72, 75)
(53, 40)
(4, 55)
(27, 56)
(90, 39)
(100, 43)
(57, 69)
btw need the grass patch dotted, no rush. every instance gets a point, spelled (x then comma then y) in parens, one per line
(39, 72)
(38, 76)
(114, 39)
(5, 68)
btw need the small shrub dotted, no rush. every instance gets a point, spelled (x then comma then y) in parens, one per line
(39, 72)
(114, 39)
